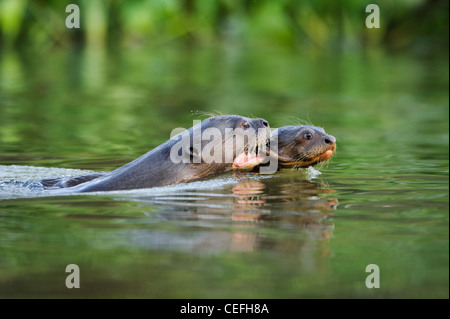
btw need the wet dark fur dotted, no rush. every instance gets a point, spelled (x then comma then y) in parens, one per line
(155, 168)
(295, 150)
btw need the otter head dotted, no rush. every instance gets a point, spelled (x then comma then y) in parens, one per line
(221, 142)
(303, 146)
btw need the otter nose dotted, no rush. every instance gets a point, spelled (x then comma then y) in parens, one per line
(329, 139)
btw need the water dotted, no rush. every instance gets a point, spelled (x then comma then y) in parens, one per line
(382, 199)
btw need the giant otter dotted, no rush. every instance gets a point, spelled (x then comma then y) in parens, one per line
(176, 161)
(296, 147)
(302, 146)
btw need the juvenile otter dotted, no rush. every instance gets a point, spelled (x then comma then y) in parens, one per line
(302, 146)
(173, 162)
(296, 147)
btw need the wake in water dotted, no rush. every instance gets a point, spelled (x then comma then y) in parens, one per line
(17, 181)
(23, 181)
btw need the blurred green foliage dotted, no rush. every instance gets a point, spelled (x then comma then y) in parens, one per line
(420, 25)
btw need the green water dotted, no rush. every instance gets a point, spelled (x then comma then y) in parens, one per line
(382, 199)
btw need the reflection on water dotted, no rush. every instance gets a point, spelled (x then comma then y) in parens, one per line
(249, 210)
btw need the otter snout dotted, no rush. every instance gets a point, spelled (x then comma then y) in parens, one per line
(329, 139)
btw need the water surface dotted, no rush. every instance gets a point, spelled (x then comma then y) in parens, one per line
(382, 199)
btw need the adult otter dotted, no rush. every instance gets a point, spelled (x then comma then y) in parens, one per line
(186, 157)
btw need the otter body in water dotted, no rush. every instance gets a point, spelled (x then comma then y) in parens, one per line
(176, 162)
(297, 147)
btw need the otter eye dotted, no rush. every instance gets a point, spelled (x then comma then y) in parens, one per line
(245, 125)
(308, 136)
